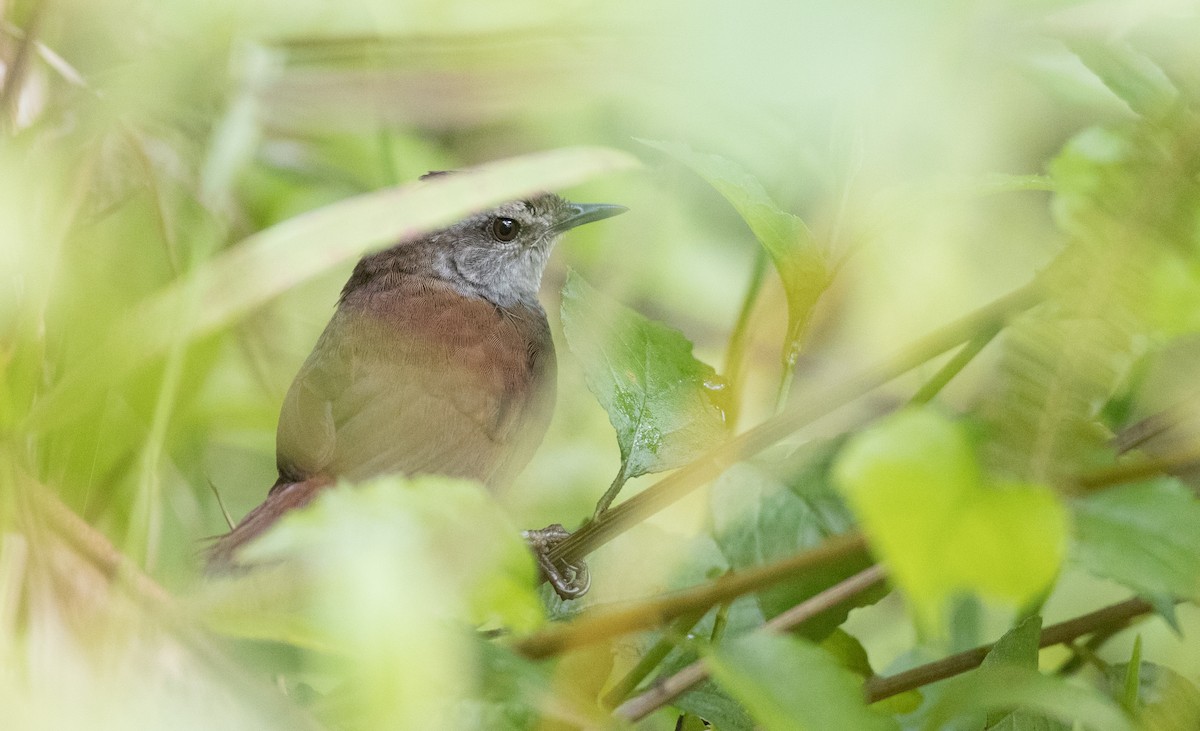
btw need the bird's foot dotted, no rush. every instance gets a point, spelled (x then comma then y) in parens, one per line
(570, 580)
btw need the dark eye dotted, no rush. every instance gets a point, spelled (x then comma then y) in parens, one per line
(505, 229)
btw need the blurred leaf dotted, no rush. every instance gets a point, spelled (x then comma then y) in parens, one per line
(709, 701)
(788, 684)
(1146, 537)
(916, 486)
(666, 406)
(448, 535)
(1019, 648)
(1008, 686)
(270, 262)
(1160, 698)
(788, 241)
(763, 510)
(1135, 79)
(850, 654)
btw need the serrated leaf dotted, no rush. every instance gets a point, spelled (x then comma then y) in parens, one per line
(763, 510)
(1146, 537)
(709, 701)
(666, 406)
(791, 685)
(786, 238)
(915, 484)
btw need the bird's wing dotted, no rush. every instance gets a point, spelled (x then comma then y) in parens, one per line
(430, 384)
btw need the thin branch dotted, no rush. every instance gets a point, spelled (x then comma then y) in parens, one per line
(671, 688)
(953, 367)
(1140, 469)
(1116, 615)
(668, 490)
(602, 623)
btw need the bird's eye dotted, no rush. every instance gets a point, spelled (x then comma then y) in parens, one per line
(505, 229)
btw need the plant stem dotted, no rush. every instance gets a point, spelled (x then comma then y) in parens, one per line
(666, 491)
(1136, 470)
(735, 353)
(655, 655)
(611, 493)
(602, 623)
(952, 367)
(1116, 615)
(670, 688)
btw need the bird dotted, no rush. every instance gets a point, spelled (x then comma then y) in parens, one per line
(438, 359)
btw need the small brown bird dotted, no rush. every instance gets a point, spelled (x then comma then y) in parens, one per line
(438, 360)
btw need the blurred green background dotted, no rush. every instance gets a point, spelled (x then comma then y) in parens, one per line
(142, 139)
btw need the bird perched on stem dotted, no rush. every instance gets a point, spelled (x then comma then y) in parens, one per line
(438, 360)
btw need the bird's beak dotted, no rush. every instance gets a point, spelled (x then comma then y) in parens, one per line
(577, 214)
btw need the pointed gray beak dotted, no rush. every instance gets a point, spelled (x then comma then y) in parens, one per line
(577, 214)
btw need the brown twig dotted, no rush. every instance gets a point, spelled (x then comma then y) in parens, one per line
(1116, 615)
(666, 491)
(601, 624)
(670, 688)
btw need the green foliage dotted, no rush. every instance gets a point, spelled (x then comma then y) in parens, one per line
(767, 509)
(918, 490)
(184, 186)
(666, 406)
(1146, 537)
(788, 684)
(784, 236)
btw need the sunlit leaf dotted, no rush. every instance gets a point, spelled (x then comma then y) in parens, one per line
(1146, 537)
(917, 489)
(786, 238)
(788, 684)
(666, 406)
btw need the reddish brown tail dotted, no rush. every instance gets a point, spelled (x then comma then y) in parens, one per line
(283, 497)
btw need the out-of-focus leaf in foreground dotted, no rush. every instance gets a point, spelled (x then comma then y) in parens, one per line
(784, 236)
(666, 406)
(393, 574)
(764, 510)
(266, 264)
(788, 684)
(919, 493)
(1146, 537)
(1006, 686)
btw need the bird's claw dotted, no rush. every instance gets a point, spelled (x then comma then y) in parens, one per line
(569, 580)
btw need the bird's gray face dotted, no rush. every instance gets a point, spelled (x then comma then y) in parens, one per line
(500, 254)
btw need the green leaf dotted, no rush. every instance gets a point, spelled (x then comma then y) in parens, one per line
(1018, 648)
(917, 489)
(1135, 79)
(264, 265)
(788, 241)
(666, 406)
(1146, 537)
(763, 510)
(1007, 686)
(789, 684)
(357, 555)
(710, 702)
(1162, 699)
